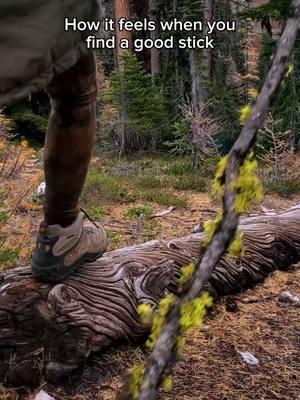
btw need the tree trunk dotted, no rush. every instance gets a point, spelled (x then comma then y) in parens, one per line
(121, 10)
(155, 58)
(52, 329)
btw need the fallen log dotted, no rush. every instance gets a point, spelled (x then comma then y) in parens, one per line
(50, 330)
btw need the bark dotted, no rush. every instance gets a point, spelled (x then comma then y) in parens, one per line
(121, 10)
(164, 352)
(201, 70)
(155, 56)
(49, 330)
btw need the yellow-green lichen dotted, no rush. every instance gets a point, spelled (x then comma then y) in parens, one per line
(146, 314)
(247, 186)
(210, 229)
(135, 381)
(167, 383)
(245, 113)
(187, 273)
(236, 247)
(219, 181)
(159, 319)
(193, 312)
(289, 70)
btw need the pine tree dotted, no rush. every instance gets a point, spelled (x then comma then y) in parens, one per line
(141, 104)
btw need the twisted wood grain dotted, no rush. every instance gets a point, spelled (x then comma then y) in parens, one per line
(51, 329)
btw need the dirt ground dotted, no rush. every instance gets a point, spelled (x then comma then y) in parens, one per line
(211, 367)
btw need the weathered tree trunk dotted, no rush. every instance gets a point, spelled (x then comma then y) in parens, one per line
(121, 10)
(155, 57)
(52, 329)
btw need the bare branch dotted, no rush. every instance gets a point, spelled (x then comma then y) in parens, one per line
(164, 352)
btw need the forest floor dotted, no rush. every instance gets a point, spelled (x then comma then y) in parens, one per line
(129, 198)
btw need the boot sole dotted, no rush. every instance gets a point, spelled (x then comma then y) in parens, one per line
(58, 273)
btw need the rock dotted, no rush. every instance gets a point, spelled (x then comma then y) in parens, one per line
(41, 190)
(288, 297)
(249, 358)
(43, 396)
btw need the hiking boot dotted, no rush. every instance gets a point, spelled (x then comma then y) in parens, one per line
(59, 251)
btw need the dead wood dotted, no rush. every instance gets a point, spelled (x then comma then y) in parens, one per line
(50, 330)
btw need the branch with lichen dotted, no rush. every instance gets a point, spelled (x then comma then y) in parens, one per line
(236, 181)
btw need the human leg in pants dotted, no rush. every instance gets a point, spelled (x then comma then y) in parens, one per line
(63, 243)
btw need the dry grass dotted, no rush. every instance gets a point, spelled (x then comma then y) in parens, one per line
(211, 368)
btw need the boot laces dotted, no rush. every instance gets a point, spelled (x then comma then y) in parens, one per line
(89, 218)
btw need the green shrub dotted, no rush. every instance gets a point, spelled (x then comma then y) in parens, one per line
(97, 213)
(9, 255)
(148, 182)
(180, 167)
(283, 187)
(101, 187)
(190, 182)
(165, 199)
(3, 216)
(139, 211)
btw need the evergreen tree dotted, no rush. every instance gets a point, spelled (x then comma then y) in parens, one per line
(141, 105)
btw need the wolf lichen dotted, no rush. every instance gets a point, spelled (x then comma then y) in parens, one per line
(159, 319)
(187, 273)
(167, 383)
(219, 181)
(135, 381)
(210, 229)
(146, 314)
(245, 113)
(236, 247)
(289, 70)
(193, 312)
(247, 186)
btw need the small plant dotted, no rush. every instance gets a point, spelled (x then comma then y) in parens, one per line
(180, 167)
(3, 216)
(151, 229)
(181, 144)
(10, 255)
(97, 213)
(282, 187)
(101, 187)
(190, 182)
(165, 199)
(149, 181)
(279, 172)
(139, 211)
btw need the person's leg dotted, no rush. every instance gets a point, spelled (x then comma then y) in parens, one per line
(69, 140)
(63, 243)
